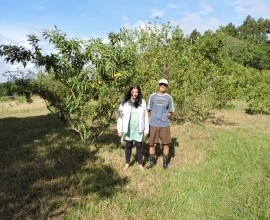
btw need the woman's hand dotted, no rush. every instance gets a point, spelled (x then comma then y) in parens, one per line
(146, 135)
(120, 134)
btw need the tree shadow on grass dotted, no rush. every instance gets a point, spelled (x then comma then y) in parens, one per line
(110, 139)
(251, 111)
(42, 169)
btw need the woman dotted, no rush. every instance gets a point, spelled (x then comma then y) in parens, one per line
(133, 123)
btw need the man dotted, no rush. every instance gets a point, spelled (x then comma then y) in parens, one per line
(161, 107)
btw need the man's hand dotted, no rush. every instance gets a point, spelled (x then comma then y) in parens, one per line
(170, 115)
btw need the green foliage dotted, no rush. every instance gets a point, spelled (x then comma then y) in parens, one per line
(230, 30)
(255, 31)
(248, 44)
(6, 89)
(258, 92)
(158, 49)
(82, 82)
(15, 54)
(8, 92)
(194, 69)
(248, 54)
(3, 89)
(194, 35)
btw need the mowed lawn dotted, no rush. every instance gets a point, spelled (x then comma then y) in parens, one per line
(218, 170)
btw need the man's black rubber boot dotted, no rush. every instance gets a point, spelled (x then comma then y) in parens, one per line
(152, 162)
(165, 162)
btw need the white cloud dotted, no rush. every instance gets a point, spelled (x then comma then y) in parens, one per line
(14, 38)
(199, 19)
(156, 13)
(173, 6)
(258, 8)
(205, 9)
(191, 21)
(17, 35)
(188, 21)
(140, 24)
(127, 23)
(7, 69)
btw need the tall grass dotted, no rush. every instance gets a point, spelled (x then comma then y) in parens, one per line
(218, 171)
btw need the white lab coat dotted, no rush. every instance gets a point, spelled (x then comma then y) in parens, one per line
(124, 116)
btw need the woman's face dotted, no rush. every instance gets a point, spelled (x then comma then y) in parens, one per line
(134, 93)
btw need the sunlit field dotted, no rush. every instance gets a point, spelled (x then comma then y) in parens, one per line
(218, 170)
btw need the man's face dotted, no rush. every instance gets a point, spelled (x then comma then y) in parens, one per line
(162, 87)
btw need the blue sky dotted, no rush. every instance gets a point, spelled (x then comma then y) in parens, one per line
(89, 18)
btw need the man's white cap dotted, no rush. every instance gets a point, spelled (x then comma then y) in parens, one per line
(165, 81)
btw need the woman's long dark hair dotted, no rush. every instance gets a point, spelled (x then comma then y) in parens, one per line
(138, 100)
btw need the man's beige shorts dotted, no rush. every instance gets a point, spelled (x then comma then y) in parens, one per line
(163, 134)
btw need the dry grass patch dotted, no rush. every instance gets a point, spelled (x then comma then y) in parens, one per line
(238, 119)
(16, 109)
(188, 146)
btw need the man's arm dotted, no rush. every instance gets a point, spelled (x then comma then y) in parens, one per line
(170, 108)
(170, 115)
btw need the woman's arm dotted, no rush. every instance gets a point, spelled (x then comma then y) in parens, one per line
(120, 121)
(146, 121)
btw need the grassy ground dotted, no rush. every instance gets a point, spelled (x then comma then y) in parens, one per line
(219, 170)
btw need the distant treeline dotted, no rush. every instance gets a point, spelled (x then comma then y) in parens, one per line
(6, 89)
(247, 44)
